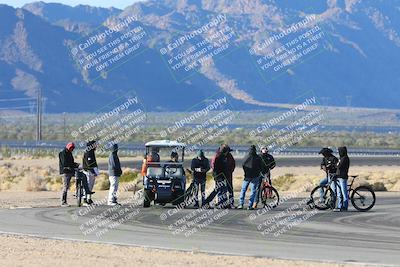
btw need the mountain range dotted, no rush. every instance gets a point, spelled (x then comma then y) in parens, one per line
(355, 62)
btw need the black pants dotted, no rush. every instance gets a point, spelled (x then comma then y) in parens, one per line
(200, 184)
(220, 190)
(230, 191)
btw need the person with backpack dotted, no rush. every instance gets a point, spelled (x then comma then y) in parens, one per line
(114, 173)
(67, 166)
(252, 167)
(342, 175)
(200, 166)
(268, 163)
(329, 165)
(90, 168)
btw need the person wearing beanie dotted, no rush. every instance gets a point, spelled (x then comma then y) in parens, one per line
(200, 166)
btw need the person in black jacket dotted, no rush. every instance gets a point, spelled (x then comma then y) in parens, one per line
(342, 174)
(268, 163)
(114, 172)
(220, 172)
(329, 165)
(67, 166)
(200, 166)
(252, 167)
(90, 168)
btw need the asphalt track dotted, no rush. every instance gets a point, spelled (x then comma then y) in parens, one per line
(296, 161)
(363, 237)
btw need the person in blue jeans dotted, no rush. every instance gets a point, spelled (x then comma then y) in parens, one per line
(252, 167)
(342, 175)
(329, 165)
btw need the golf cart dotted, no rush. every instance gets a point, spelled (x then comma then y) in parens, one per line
(164, 179)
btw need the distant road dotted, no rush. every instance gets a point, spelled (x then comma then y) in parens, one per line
(294, 161)
(209, 148)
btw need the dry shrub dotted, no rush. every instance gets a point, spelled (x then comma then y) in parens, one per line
(102, 182)
(34, 183)
(379, 186)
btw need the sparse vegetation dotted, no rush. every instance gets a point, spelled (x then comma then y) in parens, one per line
(284, 182)
(377, 130)
(379, 186)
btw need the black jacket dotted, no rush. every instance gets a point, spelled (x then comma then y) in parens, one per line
(89, 160)
(114, 166)
(252, 165)
(268, 163)
(66, 162)
(330, 162)
(220, 170)
(343, 164)
(202, 163)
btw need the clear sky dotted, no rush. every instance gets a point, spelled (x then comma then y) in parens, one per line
(103, 3)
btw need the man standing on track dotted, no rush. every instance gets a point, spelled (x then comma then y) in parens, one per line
(268, 163)
(252, 171)
(230, 165)
(328, 164)
(114, 172)
(67, 166)
(200, 166)
(220, 174)
(90, 168)
(342, 175)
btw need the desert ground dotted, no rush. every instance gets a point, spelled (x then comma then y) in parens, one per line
(31, 251)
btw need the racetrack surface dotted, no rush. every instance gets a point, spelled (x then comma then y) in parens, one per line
(364, 237)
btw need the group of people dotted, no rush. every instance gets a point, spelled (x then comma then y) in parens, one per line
(68, 167)
(256, 167)
(337, 169)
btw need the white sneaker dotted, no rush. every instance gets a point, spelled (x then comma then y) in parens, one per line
(64, 205)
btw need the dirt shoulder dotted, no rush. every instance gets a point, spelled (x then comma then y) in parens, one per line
(30, 251)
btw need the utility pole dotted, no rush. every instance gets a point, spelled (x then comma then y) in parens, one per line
(39, 115)
(64, 119)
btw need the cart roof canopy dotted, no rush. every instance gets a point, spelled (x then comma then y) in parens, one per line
(165, 143)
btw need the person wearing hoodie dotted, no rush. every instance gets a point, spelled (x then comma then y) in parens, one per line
(90, 168)
(252, 167)
(342, 175)
(200, 166)
(231, 165)
(220, 172)
(67, 170)
(114, 172)
(230, 168)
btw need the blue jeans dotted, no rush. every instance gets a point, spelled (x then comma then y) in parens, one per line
(325, 181)
(253, 182)
(342, 194)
